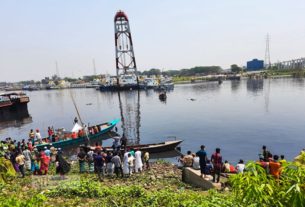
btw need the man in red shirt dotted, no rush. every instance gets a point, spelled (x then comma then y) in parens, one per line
(216, 159)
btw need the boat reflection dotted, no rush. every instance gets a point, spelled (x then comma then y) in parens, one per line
(15, 122)
(235, 85)
(255, 85)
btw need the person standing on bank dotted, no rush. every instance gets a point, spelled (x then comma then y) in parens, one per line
(62, 166)
(75, 120)
(138, 161)
(82, 160)
(99, 164)
(20, 160)
(202, 160)
(217, 164)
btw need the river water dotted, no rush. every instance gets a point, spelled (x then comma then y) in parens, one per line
(237, 116)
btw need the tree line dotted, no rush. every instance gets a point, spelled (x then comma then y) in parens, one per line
(198, 70)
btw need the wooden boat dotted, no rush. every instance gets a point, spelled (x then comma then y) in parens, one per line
(68, 142)
(151, 148)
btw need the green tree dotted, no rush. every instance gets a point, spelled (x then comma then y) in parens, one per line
(235, 68)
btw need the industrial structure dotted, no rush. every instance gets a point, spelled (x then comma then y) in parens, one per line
(290, 64)
(255, 64)
(126, 68)
(127, 79)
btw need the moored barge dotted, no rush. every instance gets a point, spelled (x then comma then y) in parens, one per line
(13, 105)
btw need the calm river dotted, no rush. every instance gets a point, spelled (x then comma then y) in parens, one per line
(237, 116)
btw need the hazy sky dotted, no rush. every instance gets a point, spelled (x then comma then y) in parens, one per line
(167, 34)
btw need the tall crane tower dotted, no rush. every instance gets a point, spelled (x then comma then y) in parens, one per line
(124, 54)
(126, 71)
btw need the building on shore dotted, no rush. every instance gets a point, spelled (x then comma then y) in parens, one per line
(255, 64)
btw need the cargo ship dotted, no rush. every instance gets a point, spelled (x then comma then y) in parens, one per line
(13, 106)
(126, 82)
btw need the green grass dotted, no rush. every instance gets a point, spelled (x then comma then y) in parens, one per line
(161, 186)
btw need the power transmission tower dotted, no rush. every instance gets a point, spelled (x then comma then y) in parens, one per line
(267, 53)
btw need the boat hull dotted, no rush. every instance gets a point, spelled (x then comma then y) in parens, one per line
(152, 148)
(119, 88)
(15, 107)
(167, 146)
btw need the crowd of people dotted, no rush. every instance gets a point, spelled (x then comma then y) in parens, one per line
(122, 162)
(27, 159)
(215, 165)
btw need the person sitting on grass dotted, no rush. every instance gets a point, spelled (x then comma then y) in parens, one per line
(208, 168)
(240, 167)
(282, 160)
(188, 159)
(180, 161)
(196, 164)
(226, 167)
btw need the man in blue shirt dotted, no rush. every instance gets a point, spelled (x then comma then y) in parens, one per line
(99, 164)
(202, 159)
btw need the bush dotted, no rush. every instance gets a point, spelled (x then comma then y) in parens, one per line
(256, 188)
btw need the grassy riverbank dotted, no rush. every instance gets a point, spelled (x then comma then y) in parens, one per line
(160, 186)
(270, 73)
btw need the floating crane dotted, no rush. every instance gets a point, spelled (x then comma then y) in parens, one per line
(126, 68)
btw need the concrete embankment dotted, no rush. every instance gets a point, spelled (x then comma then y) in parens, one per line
(193, 177)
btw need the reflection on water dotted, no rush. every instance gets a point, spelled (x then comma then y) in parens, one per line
(299, 82)
(255, 85)
(17, 123)
(206, 86)
(129, 103)
(267, 95)
(235, 85)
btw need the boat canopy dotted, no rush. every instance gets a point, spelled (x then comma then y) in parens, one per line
(76, 128)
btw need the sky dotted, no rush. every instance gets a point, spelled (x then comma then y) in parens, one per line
(167, 34)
